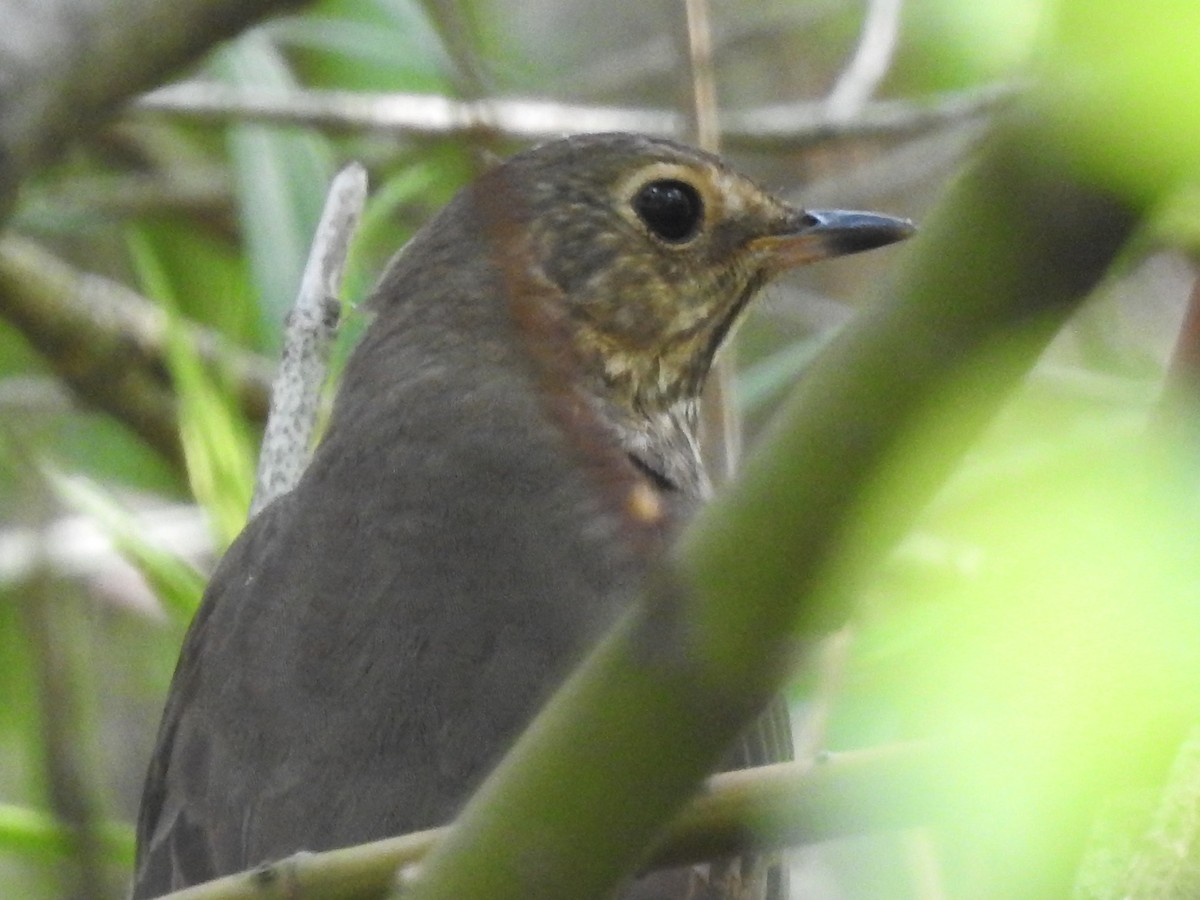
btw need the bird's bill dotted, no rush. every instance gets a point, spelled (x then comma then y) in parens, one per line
(825, 233)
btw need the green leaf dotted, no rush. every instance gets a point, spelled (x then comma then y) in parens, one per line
(216, 444)
(175, 581)
(1122, 91)
(363, 48)
(33, 832)
(208, 275)
(280, 176)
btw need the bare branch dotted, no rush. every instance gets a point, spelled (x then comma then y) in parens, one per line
(311, 329)
(704, 83)
(753, 809)
(785, 127)
(459, 32)
(721, 432)
(871, 60)
(66, 64)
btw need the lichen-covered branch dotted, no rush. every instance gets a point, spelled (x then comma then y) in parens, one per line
(307, 341)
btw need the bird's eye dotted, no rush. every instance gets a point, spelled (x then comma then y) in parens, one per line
(671, 209)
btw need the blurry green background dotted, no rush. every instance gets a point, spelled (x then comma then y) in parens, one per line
(1046, 603)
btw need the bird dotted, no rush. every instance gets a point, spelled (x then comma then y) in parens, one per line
(514, 442)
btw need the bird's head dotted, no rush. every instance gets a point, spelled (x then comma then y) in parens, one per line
(653, 250)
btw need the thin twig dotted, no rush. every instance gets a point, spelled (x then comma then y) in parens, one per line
(795, 126)
(704, 82)
(763, 808)
(620, 71)
(308, 337)
(458, 29)
(779, 128)
(871, 60)
(721, 431)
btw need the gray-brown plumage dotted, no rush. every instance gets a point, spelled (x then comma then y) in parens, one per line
(513, 442)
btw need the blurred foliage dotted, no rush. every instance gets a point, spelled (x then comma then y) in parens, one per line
(274, 173)
(175, 582)
(216, 447)
(1101, 100)
(1048, 600)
